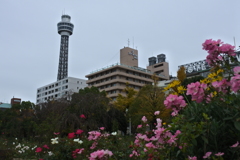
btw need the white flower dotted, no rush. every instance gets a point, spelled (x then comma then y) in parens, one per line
(20, 151)
(78, 141)
(18, 146)
(54, 140)
(50, 153)
(16, 138)
(26, 147)
(13, 143)
(114, 133)
(34, 147)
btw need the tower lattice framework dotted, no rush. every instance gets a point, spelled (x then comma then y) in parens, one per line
(65, 29)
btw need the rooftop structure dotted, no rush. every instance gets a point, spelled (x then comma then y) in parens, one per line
(113, 78)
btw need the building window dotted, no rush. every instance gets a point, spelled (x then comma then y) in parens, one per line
(158, 65)
(77, 81)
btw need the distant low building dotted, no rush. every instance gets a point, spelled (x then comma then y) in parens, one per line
(59, 89)
(4, 106)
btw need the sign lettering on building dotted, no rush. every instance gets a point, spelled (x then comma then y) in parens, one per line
(196, 66)
(202, 65)
(134, 55)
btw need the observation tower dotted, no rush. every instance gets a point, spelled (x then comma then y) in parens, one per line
(65, 29)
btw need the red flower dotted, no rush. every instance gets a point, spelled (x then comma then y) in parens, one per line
(82, 116)
(79, 131)
(71, 135)
(38, 149)
(56, 133)
(46, 146)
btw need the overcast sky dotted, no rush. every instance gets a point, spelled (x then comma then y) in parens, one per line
(30, 44)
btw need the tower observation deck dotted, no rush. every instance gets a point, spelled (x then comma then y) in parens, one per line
(65, 29)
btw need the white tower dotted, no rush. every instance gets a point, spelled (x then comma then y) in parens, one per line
(65, 29)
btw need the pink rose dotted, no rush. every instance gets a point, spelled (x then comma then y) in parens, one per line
(79, 131)
(157, 113)
(144, 119)
(38, 149)
(219, 154)
(71, 135)
(207, 155)
(82, 116)
(235, 145)
(45, 146)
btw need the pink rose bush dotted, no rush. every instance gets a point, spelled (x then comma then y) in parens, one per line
(176, 103)
(150, 143)
(217, 51)
(196, 90)
(100, 155)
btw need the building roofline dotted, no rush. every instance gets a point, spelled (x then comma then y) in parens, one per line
(124, 66)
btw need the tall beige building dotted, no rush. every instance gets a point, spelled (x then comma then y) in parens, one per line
(113, 78)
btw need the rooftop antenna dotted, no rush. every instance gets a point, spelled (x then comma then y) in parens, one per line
(128, 42)
(234, 42)
(133, 42)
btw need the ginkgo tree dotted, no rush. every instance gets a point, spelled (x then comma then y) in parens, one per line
(148, 100)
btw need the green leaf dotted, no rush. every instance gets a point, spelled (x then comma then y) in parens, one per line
(227, 118)
(194, 142)
(237, 125)
(205, 140)
(178, 152)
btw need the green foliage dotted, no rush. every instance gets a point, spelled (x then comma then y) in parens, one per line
(148, 100)
(191, 80)
(181, 75)
(18, 121)
(123, 102)
(93, 89)
(210, 127)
